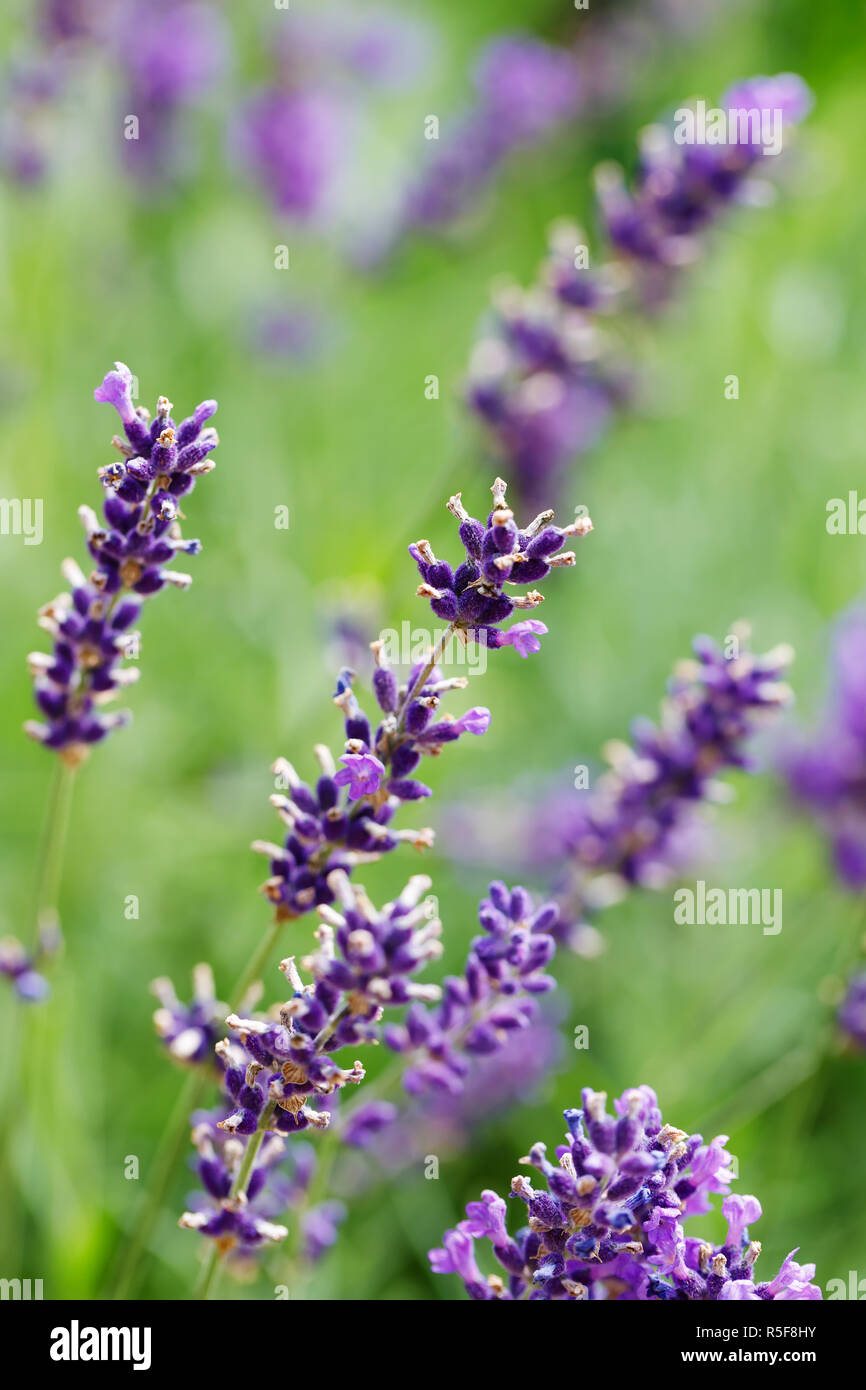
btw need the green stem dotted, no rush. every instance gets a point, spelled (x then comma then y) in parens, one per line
(49, 864)
(326, 1155)
(239, 1187)
(174, 1135)
(423, 676)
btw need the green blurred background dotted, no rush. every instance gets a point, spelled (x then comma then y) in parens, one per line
(705, 510)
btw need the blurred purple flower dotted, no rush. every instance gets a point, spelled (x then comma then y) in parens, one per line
(24, 968)
(293, 144)
(543, 378)
(171, 53)
(852, 1010)
(826, 772)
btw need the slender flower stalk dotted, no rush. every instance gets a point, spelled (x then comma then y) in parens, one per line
(547, 375)
(609, 1221)
(200, 1013)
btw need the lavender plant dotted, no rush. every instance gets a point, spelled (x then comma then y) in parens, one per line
(546, 375)
(609, 1221)
(280, 1069)
(346, 822)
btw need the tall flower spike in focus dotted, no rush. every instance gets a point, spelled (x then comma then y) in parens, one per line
(131, 550)
(606, 1220)
(346, 820)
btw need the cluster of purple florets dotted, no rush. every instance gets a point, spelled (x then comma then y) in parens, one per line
(683, 185)
(608, 1223)
(492, 999)
(131, 550)
(478, 597)
(346, 820)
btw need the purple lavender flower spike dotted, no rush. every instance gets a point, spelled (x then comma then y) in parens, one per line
(852, 1011)
(684, 185)
(493, 998)
(473, 598)
(825, 771)
(606, 1220)
(189, 1032)
(365, 962)
(131, 549)
(347, 819)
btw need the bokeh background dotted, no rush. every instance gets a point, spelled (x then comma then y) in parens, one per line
(706, 510)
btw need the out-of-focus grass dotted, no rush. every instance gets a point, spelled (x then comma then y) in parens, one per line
(705, 510)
